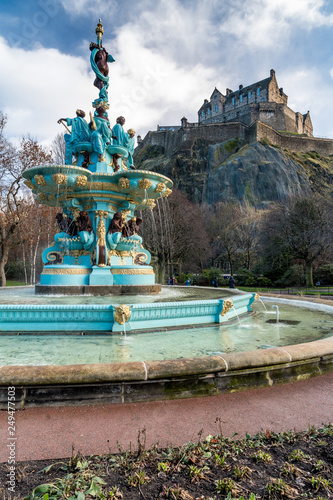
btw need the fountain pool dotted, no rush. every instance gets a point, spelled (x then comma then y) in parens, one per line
(169, 364)
(251, 333)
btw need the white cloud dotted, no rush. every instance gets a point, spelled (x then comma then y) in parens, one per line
(40, 86)
(87, 7)
(301, 85)
(264, 23)
(145, 86)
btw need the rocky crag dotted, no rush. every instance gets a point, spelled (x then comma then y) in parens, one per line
(259, 172)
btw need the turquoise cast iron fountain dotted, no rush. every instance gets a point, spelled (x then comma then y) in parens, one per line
(98, 250)
(91, 251)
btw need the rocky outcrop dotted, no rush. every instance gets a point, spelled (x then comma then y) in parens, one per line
(258, 172)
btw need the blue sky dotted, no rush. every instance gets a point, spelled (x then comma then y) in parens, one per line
(170, 55)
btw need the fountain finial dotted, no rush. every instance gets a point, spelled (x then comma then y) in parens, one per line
(99, 32)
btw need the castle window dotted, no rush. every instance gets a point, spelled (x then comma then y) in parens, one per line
(215, 108)
(250, 93)
(233, 101)
(208, 111)
(241, 98)
(258, 91)
(202, 113)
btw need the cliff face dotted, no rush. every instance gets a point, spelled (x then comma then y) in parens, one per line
(259, 172)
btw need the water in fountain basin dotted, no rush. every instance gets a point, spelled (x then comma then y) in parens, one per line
(252, 334)
(26, 295)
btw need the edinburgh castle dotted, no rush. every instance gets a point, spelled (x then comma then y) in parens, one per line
(252, 113)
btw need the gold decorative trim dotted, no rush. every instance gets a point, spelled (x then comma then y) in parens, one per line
(160, 187)
(150, 203)
(52, 256)
(132, 271)
(144, 183)
(227, 305)
(59, 179)
(256, 296)
(81, 181)
(29, 184)
(66, 271)
(124, 183)
(40, 180)
(167, 192)
(122, 313)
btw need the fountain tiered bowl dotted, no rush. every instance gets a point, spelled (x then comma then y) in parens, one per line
(87, 262)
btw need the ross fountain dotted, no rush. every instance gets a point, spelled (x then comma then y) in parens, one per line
(98, 248)
(98, 251)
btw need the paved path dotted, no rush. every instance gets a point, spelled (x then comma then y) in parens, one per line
(50, 432)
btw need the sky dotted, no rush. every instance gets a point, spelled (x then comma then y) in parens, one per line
(169, 56)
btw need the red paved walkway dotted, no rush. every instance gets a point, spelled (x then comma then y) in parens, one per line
(50, 432)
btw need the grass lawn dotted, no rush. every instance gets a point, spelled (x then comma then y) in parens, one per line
(15, 283)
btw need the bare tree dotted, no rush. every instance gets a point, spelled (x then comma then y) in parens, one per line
(304, 228)
(58, 149)
(224, 231)
(175, 234)
(12, 165)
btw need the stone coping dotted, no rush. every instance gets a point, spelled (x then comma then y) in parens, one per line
(157, 370)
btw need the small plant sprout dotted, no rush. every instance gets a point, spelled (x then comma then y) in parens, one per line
(319, 482)
(137, 479)
(226, 485)
(241, 472)
(298, 456)
(261, 456)
(277, 488)
(220, 459)
(163, 466)
(115, 493)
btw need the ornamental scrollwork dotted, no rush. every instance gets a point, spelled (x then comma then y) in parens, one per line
(256, 296)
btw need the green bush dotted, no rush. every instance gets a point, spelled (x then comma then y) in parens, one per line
(15, 270)
(263, 281)
(244, 276)
(294, 276)
(251, 281)
(324, 274)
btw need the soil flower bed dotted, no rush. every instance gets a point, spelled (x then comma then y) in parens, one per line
(266, 466)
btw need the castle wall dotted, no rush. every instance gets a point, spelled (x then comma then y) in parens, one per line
(214, 133)
(220, 132)
(300, 144)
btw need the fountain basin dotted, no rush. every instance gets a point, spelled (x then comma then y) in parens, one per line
(107, 318)
(150, 380)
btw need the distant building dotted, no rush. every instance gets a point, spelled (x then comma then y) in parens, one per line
(258, 111)
(263, 101)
